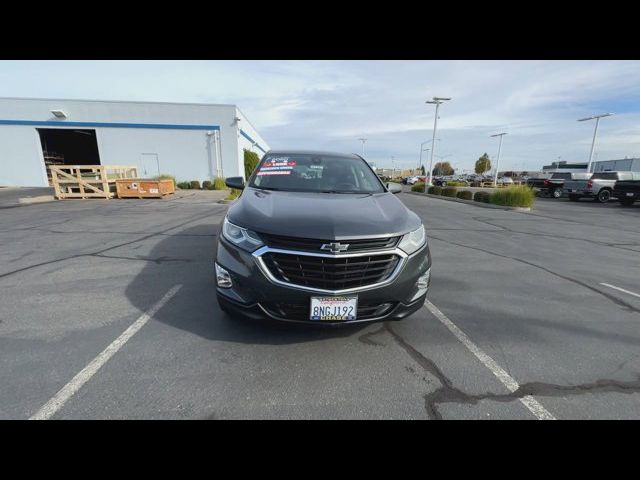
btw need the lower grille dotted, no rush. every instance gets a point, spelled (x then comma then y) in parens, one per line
(300, 311)
(331, 273)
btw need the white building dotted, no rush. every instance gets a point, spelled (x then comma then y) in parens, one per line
(190, 141)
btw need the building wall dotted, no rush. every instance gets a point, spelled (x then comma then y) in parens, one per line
(187, 138)
(623, 165)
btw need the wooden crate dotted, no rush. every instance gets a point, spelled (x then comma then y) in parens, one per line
(88, 181)
(142, 188)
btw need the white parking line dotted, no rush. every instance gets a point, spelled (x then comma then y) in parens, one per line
(507, 380)
(621, 289)
(66, 392)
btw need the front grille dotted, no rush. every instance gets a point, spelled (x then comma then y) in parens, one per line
(313, 245)
(331, 273)
(300, 311)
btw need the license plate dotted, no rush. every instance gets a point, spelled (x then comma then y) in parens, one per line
(630, 194)
(333, 309)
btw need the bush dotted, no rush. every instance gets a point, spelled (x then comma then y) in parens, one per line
(435, 190)
(456, 183)
(218, 183)
(449, 191)
(207, 185)
(164, 176)
(233, 194)
(481, 197)
(418, 187)
(514, 196)
(195, 185)
(184, 185)
(251, 161)
(465, 195)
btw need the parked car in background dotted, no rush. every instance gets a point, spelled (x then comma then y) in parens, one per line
(628, 191)
(412, 180)
(599, 187)
(504, 181)
(553, 186)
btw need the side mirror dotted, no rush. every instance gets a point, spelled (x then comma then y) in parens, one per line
(394, 187)
(235, 182)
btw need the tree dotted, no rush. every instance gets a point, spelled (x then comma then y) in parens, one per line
(483, 164)
(423, 170)
(443, 168)
(251, 161)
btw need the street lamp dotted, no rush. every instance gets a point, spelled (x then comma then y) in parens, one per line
(425, 150)
(363, 140)
(595, 132)
(436, 101)
(495, 177)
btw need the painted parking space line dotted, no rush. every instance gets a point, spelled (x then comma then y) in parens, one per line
(507, 380)
(70, 389)
(621, 289)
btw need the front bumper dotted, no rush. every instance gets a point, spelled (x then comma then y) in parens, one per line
(253, 295)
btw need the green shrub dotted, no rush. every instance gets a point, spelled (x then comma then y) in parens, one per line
(233, 194)
(184, 185)
(218, 183)
(435, 190)
(165, 176)
(251, 161)
(449, 191)
(456, 183)
(465, 195)
(207, 185)
(481, 197)
(418, 187)
(514, 196)
(195, 185)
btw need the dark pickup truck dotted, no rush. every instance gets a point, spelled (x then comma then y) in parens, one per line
(627, 191)
(553, 186)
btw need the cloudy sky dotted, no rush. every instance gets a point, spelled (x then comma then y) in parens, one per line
(330, 104)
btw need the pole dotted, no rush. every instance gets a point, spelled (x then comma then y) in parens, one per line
(495, 177)
(363, 140)
(433, 144)
(593, 144)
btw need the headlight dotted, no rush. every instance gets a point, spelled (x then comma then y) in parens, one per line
(413, 241)
(245, 239)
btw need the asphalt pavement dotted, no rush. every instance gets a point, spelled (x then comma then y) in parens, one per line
(530, 315)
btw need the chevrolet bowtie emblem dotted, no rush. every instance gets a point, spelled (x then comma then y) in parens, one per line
(335, 247)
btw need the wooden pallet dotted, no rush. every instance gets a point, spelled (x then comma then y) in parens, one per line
(88, 181)
(141, 188)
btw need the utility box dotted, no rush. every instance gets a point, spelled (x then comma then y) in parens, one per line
(141, 188)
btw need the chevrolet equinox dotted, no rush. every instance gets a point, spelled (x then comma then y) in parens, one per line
(317, 237)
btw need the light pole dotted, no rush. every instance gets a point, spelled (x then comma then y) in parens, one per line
(436, 101)
(595, 132)
(363, 140)
(495, 177)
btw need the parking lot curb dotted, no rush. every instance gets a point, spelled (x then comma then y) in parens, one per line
(471, 202)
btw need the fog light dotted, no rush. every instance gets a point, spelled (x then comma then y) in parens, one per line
(223, 278)
(423, 281)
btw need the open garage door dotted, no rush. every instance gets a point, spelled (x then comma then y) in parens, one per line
(66, 146)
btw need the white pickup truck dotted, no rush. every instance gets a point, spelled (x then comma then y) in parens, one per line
(599, 187)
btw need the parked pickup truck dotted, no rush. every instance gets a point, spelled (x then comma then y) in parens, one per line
(599, 187)
(554, 186)
(628, 191)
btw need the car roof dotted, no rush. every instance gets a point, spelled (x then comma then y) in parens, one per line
(312, 152)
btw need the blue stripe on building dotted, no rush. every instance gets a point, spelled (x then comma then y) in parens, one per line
(62, 123)
(245, 135)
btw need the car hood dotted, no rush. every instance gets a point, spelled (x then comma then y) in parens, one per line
(323, 216)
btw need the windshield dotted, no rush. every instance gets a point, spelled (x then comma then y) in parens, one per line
(315, 173)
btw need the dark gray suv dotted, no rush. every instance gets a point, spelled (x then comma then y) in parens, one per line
(316, 237)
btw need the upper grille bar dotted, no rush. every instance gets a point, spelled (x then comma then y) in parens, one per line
(311, 244)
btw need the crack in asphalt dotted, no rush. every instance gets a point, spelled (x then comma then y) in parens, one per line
(448, 393)
(159, 260)
(608, 296)
(90, 254)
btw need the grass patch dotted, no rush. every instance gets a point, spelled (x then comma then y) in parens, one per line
(514, 196)
(456, 183)
(218, 183)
